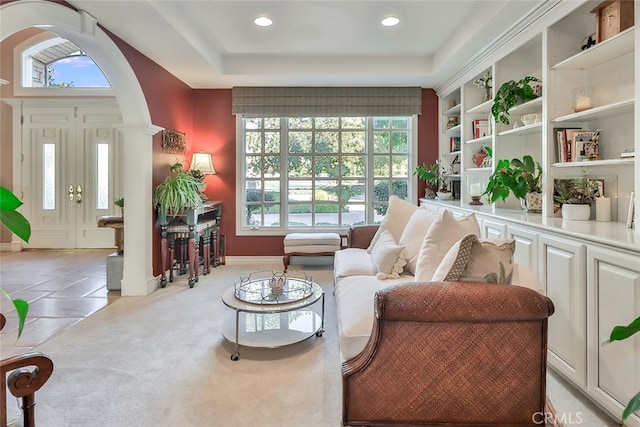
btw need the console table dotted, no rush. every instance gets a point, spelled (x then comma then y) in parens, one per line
(194, 225)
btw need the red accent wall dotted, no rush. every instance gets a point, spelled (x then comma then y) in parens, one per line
(170, 103)
(427, 132)
(205, 116)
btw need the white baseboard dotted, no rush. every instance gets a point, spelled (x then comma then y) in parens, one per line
(11, 247)
(252, 260)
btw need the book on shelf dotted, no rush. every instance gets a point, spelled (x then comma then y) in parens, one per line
(586, 145)
(562, 145)
(577, 145)
(454, 143)
(480, 128)
(628, 153)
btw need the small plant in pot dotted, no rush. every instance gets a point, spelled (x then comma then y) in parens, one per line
(510, 94)
(431, 176)
(523, 178)
(576, 196)
(179, 191)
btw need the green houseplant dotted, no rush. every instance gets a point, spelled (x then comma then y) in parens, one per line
(520, 177)
(510, 94)
(576, 196)
(431, 175)
(18, 225)
(179, 191)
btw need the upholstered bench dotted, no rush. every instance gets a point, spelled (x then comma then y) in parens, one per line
(309, 244)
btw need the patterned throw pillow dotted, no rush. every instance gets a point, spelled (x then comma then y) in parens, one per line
(475, 260)
(388, 257)
(442, 235)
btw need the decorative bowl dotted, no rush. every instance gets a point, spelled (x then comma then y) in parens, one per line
(528, 119)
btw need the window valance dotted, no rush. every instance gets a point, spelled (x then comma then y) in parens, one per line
(327, 101)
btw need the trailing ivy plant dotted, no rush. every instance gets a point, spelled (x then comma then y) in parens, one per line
(18, 225)
(510, 94)
(620, 333)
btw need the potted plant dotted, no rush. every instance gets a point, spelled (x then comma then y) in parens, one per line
(120, 203)
(576, 196)
(523, 178)
(18, 225)
(179, 191)
(485, 82)
(510, 94)
(429, 174)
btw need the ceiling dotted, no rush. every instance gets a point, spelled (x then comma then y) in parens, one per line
(214, 44)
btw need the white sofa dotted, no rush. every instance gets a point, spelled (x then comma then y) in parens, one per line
(428, 248)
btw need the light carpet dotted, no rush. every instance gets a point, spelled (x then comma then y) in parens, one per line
(161, 361)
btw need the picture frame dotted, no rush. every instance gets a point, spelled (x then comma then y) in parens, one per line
(631, 211)
(174, 142)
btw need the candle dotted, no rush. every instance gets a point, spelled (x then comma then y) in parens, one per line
(583, 102)
(475, 189)
(603, 209)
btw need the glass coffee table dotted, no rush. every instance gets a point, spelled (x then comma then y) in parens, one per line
(272, 310)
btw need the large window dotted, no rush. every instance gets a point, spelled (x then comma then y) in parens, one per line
(322, 172)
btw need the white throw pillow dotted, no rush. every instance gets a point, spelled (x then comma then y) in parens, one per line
(474, 260)
(388, 257)
(414, 233)
(442, 235)
(398, 213)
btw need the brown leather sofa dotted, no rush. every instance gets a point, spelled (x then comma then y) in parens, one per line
(451, 354)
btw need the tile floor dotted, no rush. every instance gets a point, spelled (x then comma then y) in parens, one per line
(62, 288)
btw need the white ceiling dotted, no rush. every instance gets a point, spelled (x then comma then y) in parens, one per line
(214, 44)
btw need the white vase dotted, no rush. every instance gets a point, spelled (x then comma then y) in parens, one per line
(444, 195)
(576, 212)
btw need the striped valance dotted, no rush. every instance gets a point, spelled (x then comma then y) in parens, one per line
(327, 101)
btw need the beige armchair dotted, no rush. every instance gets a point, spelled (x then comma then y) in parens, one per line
(451, 354)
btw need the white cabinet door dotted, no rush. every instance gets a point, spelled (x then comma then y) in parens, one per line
(493, 229)
(562, 275)
(613, 298)
(526, 253)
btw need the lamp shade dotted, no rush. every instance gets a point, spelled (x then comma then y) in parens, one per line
(202, 161)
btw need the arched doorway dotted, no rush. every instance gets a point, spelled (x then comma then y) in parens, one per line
(137, 129)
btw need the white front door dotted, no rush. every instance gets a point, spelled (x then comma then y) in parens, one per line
(70, 174)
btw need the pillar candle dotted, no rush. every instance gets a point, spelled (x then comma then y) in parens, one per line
(475, 189)
(603, 209)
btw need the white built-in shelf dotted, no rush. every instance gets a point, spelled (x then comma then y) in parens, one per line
(599, 112)
(485, 107)
(523, 130)
(455, 175)
(606, 162)
(454, 130)
(602, 52)
(453, 111)
(529, 106)
(485, 139)
(452, 153)
(478, 169)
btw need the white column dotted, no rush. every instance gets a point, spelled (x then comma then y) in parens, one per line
(137, 162)
(16, 244)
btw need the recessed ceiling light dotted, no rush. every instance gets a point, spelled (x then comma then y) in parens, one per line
(390, 21)
(262, 21)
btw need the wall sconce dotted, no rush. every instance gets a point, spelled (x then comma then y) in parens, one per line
(202, 161)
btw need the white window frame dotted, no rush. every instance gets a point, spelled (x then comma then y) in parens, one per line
(245, 230)
(23, 68)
